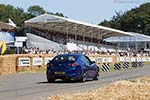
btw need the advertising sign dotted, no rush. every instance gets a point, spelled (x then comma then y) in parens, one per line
(92, 58)
(109, 59)
(24, 61)
(122, 59)
(47, 59)
(139, 59)
(128, 59)
(133, 59)
(99, 60)
(71, 46)
(37, 61)
(18, 44)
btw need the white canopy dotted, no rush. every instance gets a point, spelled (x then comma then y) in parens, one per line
(6, 26)
(136, 38)
(70, 26)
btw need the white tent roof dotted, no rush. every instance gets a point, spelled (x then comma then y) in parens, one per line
(6, 26)
(136, 38)
(70, 26)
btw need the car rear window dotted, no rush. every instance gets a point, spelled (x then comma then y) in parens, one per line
(66, 58)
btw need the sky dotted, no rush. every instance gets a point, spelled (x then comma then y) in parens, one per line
(91, 11)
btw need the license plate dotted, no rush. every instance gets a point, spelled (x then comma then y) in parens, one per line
(61, 73)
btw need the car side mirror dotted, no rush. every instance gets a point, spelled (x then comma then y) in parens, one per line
(49, 61)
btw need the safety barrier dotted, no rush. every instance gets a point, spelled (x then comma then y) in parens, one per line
(117, 66)
(31, 62)
(105, 67)
(7, 64)
(119, 62)
(125, 65)
(134, 64)
(137, 64)
(140, 64)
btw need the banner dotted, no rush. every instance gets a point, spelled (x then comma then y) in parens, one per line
(24, 62)
(133, 59)
(139, 59)
(47, 59)
(37, 61)
(92, 58)
(71, 46)
(128, 59)
(122, 59)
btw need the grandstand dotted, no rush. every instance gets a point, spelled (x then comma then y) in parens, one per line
(137, 42)
(38, 40)
(59, 31)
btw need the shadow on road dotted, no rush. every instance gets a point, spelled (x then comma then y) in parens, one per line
(59, 81)
(44, 82)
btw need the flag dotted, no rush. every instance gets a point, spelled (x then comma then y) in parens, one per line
(2, 47)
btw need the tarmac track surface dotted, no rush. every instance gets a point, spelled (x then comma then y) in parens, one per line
(34, 86)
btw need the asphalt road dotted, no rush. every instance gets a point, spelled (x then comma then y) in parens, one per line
(34, 86)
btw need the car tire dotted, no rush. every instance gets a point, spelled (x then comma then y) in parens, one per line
(67, 80)
(51, 80)
(96, 77)
(83, 78)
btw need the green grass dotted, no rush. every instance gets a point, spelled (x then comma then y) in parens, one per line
(147, 63)
(34, 71)
(40, 70)
(2, 85)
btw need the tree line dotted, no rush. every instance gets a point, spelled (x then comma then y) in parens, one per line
(18, 15)
(134, 20)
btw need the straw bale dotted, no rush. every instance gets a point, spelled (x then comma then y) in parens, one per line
(138, 89)
(7, 64)
(32, 67)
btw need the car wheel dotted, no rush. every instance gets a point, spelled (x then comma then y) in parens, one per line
(67, 80)
(83, 78)
(96, 77)
(51, 80)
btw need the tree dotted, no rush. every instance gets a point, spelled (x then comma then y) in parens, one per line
(58, 14)
(18, 16)
(134, 20)
(6, 12)
(36, 10)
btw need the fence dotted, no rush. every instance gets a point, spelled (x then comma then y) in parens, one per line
(31, 62)
(116, 62)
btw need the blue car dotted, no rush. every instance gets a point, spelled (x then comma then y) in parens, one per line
(72, 67)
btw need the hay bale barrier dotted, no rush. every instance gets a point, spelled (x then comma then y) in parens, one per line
(138, 89)
(15, 63)
(7, 64)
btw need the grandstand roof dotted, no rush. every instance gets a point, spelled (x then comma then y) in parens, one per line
(136, 38)
(70, 26)
(5, 26)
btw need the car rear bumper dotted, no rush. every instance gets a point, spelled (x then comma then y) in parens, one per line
(70, 76)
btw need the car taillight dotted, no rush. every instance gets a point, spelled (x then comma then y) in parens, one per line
(73, 64)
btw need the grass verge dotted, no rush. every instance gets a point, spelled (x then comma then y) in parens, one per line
(34, 71)
(138, 89)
